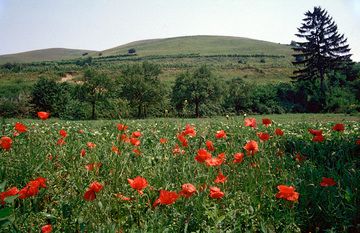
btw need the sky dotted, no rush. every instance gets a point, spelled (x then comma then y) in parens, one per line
(102, 24)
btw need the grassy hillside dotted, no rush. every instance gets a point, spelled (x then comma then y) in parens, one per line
(202, 45)
(53, 54)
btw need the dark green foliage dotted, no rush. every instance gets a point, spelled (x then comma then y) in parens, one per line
(237, 95)
(199, 89)
(96, 88)
(323, 50)
(45, 94)
(141, 87)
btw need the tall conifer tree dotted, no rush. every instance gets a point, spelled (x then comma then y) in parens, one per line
(322, 50)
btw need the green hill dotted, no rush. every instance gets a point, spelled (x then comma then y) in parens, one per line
(203, 45)
(52, 54)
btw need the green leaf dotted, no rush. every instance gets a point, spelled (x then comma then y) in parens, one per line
(11, 199)
(2, 186)
(47, 215)
(4, 223)
(6, 212)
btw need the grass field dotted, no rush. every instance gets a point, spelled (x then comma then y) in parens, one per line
(91, 167)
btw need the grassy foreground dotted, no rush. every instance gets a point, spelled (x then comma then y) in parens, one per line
(90, 172)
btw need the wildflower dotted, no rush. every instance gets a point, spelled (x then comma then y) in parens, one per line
(135, 141)
(136, 151)
(299, 157)
(210, 145)
(91, 145)
(217, 161)
(339, 127)
(61, 142)
(122, 197)
(279, 132)
(83, 152)
(177, 150)
(251, 147)
(266, 122)
(216, 193)
(182, 139)
(251, 122)
(115, 149)
(63, 133)
(220, 178)
(5, 142)
(202, 155)
(92, 166)
(238, 157)
(287, 193)
(122, 127)
(32, 188)
(136, 134)
(46, 228)
(189, 130)
(315, 132)
(263, 136)
(166, 198)
(187, 190)
(220, 134)
(138, 183)
(163, 140)
(20, 128)
(318, 138)
(327, 182)
(94, 187)
(10, 192)
(43, 115)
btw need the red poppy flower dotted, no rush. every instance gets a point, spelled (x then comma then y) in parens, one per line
(187, 190)
(136, 134)
(318, 138)
(124, 138)
(83, 152)
(216, 161)
(202, 156)
(46, 229)
(138, 183)
(220, 134)
(220, 178)
(61, 142)
(115, 149)
(251, 122)
(210, 145)
(92, 166)
(266, 122)
(41, 181)
(163, 140)
(327, 182)
(89, 195)
(43, 115)
(182, 139)
(339, 127)
(357, 142)
(63, 133)
(287, 193)
(216, 193)
(135, 141)
(166, 198)
(91, 145)
(32, 188)
(96, 186)
(122, 127)
(19, 127)
(189, 130)
(10, 192)
(178, 150)
(136, 151)
(315, 132)
(279, 132)
(299, 157)
(122, 197)
(263, 136)
(251, 147)
(81, 131)
(238, 157)
(5, 142)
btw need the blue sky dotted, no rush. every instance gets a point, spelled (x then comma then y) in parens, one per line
(102, 24)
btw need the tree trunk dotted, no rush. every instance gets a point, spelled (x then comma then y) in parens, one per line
(139, 110)
(93, 111)
(197, 114)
